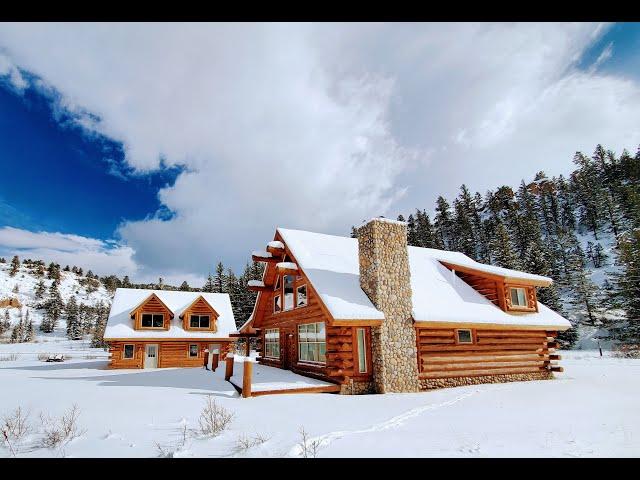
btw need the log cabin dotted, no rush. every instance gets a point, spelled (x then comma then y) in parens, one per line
(375, 315)
(161, 328)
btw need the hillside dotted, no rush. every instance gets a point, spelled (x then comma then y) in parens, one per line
(87, 293)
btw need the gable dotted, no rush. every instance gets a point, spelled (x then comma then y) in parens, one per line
(151, 306)
(200, 307)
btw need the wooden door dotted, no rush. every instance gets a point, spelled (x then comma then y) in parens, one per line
(285, 350)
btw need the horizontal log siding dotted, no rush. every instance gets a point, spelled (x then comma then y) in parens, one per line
(170, 354)
(492, 352)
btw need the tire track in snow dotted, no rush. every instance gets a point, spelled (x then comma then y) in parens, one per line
(394, 422)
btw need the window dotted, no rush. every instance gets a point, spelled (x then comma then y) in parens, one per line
(193, 350)
(362, 350)
(152, 320)
(272, 343)
(277, 307)
(312, 342)
(301, 296)
(518, 297)
(465, 336)
(199, 321)
(277, 287)
(288, 291)
(128, 351)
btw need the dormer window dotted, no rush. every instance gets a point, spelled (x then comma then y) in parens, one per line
(199, 321)
(518, 297)
(152, 320)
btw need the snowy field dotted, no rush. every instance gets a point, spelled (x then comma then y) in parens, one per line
(591, 410)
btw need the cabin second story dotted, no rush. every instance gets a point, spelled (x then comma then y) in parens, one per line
(139, 313)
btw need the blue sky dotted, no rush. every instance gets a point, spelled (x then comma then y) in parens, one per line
(160, 149)
(69, 181)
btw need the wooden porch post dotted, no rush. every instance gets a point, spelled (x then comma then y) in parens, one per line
(214, 361)
(246, 379)
(228, 373)
(247, 348)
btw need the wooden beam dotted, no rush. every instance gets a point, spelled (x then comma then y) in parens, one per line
(491, 326)
(257, 258)
(265, 288)
(246, 378)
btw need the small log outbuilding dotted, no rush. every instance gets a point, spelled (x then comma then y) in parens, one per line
(372, 314)
(161, 328)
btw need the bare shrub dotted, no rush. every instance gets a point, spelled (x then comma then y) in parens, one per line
(61, 430)
(214, 418)
(9, 358)
(16, 424)
(43, 356)
(244, 443)
(627, 351)
(308, 448)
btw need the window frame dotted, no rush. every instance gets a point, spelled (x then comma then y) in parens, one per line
(471, 336)
(293, 293)
(526, 297)
(142, 314)
(124, 351)
(197, 350)
(191, 327)
(306, 296)
(275, 299)
(362, 350)
(272, 341)
(306, 342)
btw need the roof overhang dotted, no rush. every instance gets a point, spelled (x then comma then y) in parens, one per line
(537, 282)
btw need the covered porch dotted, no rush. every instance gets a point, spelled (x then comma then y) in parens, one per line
(252, 379)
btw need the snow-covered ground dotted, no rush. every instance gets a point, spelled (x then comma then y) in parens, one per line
(591, 410)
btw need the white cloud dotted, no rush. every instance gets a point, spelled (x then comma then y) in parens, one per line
(319, 126)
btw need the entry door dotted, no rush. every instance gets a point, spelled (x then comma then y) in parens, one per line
(151, 356)
(213, 348)
(289, 356)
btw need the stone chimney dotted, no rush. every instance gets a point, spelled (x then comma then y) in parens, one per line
(385, 278)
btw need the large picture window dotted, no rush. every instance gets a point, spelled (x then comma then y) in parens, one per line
(272, 343)
(301, 296)
(288, 291)
(518, 297)
(152, 320)
(312, 342)
(199, 321)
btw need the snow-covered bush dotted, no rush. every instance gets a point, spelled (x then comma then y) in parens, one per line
(627, 351)
(214, 418)
(244, 443)
(64, 429)
(16, 424)
(308, 448)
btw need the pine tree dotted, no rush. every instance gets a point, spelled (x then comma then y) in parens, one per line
(185, 287)
(15, 266)
(502, 251)
(101, 316)
(443, 225)
(74, 329)
(219, 281)
(5, 322)
(626, 288)
(29, 333)
(209, 285)
(126, 283)
(53, 306)
(412, 237)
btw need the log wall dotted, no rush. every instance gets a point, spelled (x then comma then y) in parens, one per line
(493, 352)
(170, 353)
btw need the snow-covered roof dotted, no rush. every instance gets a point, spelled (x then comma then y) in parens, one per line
(438, 295)
(120, 324)
(461, 260)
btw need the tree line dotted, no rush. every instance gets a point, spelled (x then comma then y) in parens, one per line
(538, 228)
